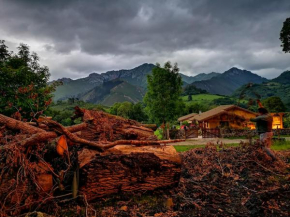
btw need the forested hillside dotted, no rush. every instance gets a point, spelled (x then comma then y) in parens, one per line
(279, 87)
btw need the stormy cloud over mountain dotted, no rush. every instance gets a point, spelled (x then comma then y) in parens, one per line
(75, 38)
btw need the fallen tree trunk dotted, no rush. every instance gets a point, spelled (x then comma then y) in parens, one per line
(127, 168)
(111, 154)
(32, 128)
(106, 127)
(150, 126)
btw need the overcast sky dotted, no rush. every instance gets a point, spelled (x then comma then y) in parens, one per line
(77, 37)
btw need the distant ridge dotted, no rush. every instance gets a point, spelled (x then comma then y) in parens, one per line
(284, 78)
(73, 88)
(199, 77)
(227, 82)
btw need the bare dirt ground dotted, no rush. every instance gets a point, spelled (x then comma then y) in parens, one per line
(204, 141)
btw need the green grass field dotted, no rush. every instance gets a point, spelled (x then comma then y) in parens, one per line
(182, 148)
(277, 146)
(202, 98)
(208, 99)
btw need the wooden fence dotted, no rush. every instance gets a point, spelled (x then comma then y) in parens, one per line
(211, 133)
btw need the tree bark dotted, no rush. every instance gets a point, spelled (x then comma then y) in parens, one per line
(124, 157)
(127, 168)
(29, 128)
(19, 125)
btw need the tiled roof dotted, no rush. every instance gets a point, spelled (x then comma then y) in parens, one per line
(216, 111)
(186, 117)
(213, 112)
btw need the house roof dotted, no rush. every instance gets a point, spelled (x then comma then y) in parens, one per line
(186, 117)
(216, 111)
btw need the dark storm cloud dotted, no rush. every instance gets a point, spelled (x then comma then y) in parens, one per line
(202, 36)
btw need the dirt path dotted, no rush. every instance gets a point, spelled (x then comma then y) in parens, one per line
(204, 141)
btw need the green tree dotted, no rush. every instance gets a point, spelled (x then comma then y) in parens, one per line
(189, 98)
(285, 36)
(195, 108)
(130, 111)
(114, 109)
(192, 90)
(163, 101)
(4, 53)
(24, 92)
(125, 110)
(224, 101)
(274, 104)
(138, 113)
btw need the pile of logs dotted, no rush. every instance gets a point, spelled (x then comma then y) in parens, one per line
(103, 155)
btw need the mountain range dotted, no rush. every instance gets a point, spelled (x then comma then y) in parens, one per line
(114, 86)
(78, 87)
(130, 85)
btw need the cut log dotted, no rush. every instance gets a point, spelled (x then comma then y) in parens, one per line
(31, 127)
(150, 126)
(106, 127)
(19, 125)
(125, 168)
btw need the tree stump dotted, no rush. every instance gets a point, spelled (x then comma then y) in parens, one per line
(126, 168)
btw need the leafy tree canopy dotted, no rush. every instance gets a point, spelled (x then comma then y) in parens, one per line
(192, 90)
(130, 111)
(274, 104)
(195, 108)
(224, 101)
(189, 98)
(24, 92)
(163, 101)
(285, 36)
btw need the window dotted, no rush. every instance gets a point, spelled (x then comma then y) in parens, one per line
(224, 123)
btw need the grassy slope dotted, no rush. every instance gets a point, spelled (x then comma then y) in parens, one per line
(207, 98)
(123, 92)
(72, 89)
(202, 98)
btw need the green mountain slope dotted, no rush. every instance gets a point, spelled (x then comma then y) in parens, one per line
(136, 76)
(199, 77)
(284, 78)
(113, 91)
(227, 82)
(73, 88)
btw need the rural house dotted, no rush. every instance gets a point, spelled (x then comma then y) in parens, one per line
(186, 118)
(229, 116)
